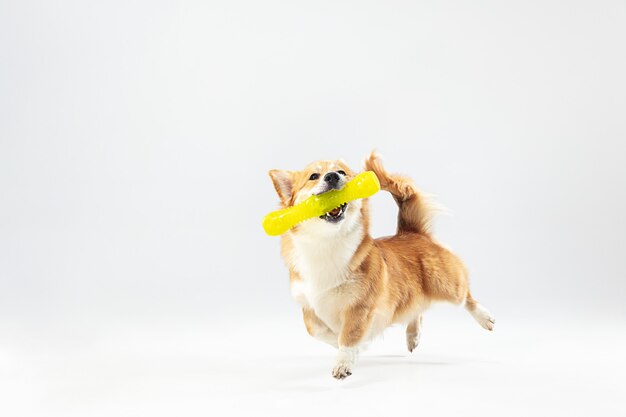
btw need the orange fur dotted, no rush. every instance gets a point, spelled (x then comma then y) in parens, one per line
(385, 281)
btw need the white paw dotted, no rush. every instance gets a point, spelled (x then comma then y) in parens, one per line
(483, 317)
(342, 370)
(346, 357)
(412, 341)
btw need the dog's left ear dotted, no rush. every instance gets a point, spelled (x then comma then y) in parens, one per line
(283, 182)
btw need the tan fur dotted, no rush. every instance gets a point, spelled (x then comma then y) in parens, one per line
(387, 280)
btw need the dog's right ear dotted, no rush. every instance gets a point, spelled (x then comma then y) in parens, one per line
(283, 182)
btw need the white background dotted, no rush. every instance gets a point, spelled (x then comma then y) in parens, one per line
(135, 140)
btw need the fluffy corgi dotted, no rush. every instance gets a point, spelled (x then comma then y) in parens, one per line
(351, 286)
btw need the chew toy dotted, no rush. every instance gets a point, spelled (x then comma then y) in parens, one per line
(363, 185)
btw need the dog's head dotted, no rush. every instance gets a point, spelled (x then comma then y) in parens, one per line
(319, 177)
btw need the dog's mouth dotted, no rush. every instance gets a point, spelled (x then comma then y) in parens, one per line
(335, 215)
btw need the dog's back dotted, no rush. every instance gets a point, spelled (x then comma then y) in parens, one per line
(419, 270)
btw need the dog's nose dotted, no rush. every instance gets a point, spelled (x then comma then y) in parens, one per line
(332, 178)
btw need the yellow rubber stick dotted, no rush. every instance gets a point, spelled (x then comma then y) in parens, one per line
(362, 185)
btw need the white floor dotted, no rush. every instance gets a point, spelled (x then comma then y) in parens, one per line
(271, 367)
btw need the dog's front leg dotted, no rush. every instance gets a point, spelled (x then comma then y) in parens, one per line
(355, 323)
(317, 328)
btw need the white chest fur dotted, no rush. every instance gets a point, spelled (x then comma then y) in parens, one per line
(322, 260)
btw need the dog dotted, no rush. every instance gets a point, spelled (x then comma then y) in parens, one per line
(351, 286)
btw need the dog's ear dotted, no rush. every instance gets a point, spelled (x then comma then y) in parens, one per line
(283, 182)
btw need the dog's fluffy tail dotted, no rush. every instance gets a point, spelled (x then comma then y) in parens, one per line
(415, 210)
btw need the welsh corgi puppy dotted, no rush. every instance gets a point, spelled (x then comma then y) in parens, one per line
(351, 286)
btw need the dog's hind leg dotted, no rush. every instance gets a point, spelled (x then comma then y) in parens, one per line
(413, 332)
(480, 313)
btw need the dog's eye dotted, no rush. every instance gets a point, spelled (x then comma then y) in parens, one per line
(314, 176)
(342, 172)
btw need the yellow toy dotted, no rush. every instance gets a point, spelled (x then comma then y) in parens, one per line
(362, 185)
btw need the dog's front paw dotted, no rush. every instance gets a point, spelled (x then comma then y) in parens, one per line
(342, 370)
(346, 358)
